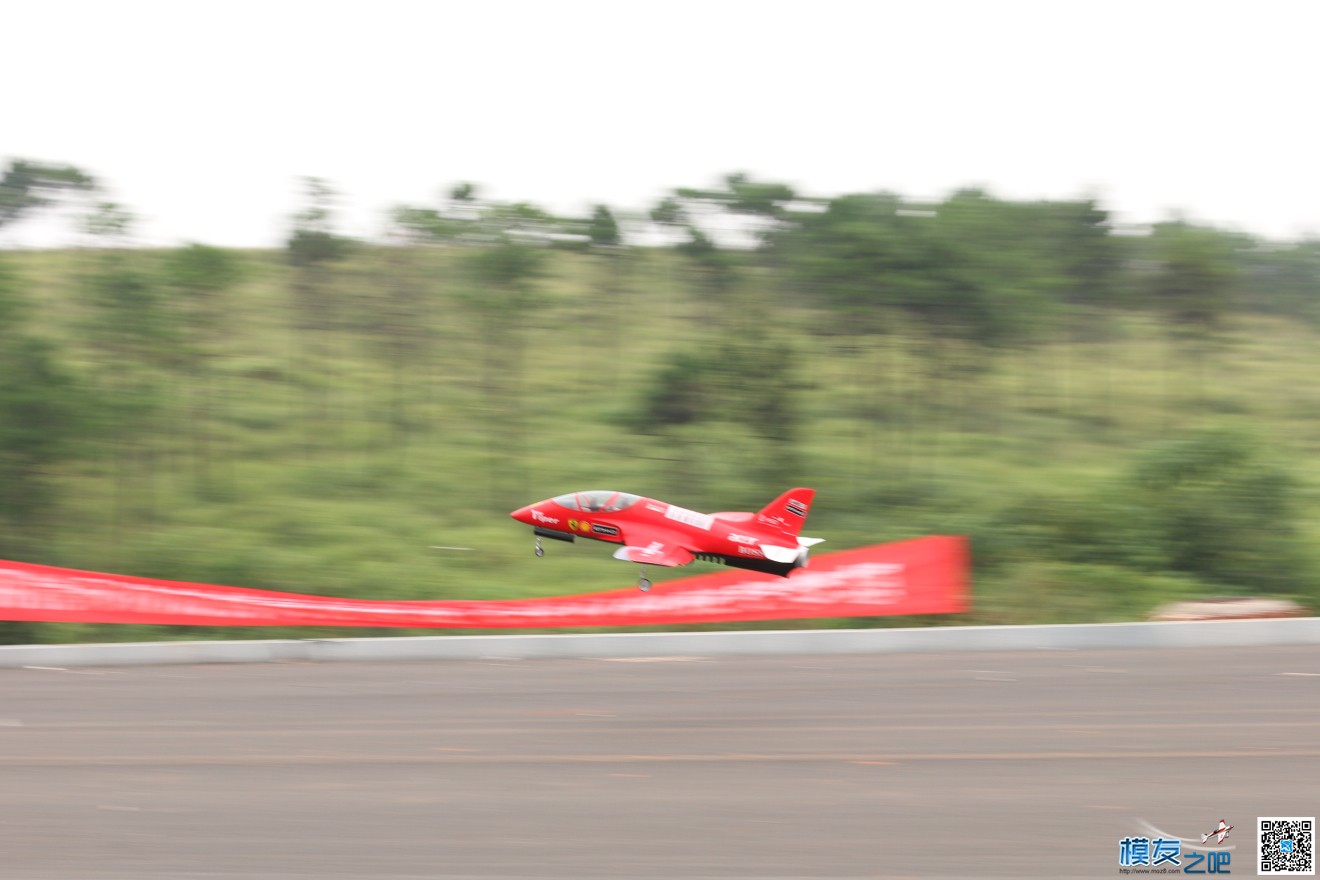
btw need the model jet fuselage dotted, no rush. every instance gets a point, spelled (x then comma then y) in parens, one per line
(654, 532)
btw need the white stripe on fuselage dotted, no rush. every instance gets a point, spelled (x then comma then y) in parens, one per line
(702, 521)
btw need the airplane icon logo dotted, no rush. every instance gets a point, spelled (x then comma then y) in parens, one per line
(1219, 833)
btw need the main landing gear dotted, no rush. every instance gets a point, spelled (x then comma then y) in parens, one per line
(643, 582)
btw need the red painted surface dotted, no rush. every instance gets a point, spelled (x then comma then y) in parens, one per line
(921, 576)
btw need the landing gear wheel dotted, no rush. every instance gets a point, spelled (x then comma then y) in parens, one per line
(644, 582)
(540, 551)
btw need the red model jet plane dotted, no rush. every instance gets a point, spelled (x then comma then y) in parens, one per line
(655, 533)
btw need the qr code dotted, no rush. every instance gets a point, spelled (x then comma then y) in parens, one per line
(1287, 846)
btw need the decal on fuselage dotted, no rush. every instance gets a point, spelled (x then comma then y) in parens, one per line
(601, 529)
(701, 521)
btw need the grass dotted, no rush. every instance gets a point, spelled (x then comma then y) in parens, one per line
(293, 478)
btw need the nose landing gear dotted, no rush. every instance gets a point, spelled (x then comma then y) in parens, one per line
(643, 582)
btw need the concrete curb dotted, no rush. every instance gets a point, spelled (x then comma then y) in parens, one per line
(1201, 634)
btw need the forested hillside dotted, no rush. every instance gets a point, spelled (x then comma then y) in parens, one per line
(1116, 417)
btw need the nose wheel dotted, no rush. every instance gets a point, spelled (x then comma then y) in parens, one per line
(539, 551)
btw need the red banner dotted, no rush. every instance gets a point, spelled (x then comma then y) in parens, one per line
(922, 576)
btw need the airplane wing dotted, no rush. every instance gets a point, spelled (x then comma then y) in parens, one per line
(655, 553)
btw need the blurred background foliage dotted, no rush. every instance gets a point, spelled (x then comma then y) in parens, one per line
(1117, 418)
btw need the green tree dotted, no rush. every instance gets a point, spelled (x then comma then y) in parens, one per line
(27, 186)
(508, 246)
(924, 297)
(750, 208)
(1192, 288)
(719, 227)
(858, 261)
(402, 317)
(675, 400)
(313, 241)
(971, 269)
(39, 422)
(603, 229)
(201, 278)
(749, 381)
(1223, 511)
(313, 250)
(1194, 279)
(456, 217)
(131, 325)
(133, 335)
(40, 411)
(1281, 279)
(760, 392)
(668, 213)
(1082, 264)
(1076, 236)
(40, 402)
(613, 265)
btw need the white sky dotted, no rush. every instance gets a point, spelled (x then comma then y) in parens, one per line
(201, 116)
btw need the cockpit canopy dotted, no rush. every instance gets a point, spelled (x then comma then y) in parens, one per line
(597, 501)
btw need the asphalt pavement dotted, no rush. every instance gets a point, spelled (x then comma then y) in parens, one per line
(842, 766)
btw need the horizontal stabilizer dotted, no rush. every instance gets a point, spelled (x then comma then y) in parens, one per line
(780, 554)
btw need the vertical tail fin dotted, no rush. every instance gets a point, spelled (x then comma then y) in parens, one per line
(788, 512)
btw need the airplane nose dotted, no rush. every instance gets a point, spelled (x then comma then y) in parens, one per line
(523, 514)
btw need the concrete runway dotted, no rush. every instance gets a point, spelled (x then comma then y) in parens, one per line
(841, 766)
